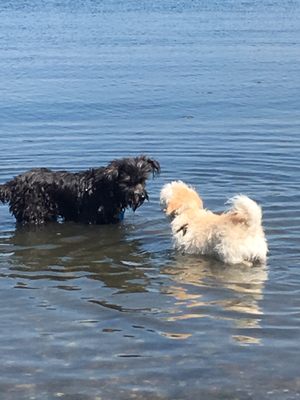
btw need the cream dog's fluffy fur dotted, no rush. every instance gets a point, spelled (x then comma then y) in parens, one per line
(234, 237)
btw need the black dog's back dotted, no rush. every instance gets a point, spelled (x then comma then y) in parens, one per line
(42, 195)
(94, 196)
(31, 196)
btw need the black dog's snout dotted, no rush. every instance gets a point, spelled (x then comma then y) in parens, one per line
(138, 199)
(144, 196)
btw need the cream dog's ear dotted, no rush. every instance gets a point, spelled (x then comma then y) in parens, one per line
(173, 205)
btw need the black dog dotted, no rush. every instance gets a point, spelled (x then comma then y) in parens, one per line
(95, 196)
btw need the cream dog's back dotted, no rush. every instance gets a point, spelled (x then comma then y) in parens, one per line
(235, 236)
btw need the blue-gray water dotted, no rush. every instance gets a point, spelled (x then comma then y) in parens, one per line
(212, 90)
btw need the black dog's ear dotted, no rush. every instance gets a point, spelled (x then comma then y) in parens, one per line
(155, 166)
(149, 164)
(111, 173)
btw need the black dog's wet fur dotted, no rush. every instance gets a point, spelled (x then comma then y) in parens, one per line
(95, 196)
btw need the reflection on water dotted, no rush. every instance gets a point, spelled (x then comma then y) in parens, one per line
(241, 299)
(63, 255)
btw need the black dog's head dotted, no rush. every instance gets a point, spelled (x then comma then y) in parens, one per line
(128, 176)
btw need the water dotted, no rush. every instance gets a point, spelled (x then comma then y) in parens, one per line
(211, 89)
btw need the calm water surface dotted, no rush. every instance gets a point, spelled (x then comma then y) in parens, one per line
(211, 89)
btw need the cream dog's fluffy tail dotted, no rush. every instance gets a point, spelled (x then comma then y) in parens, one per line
(247, 209)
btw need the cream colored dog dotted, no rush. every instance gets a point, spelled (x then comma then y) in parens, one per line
(233, 237)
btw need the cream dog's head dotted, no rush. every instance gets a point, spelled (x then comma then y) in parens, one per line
(235, 236)
(176, 197)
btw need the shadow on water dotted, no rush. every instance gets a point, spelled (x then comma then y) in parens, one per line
(67, 252)
(167, 286)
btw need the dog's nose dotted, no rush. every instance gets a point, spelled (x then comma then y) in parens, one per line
(142, 196)
(138, 199)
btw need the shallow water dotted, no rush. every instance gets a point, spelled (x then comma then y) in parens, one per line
(211, 89)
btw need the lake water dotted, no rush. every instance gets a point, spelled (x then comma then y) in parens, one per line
(212, 90)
